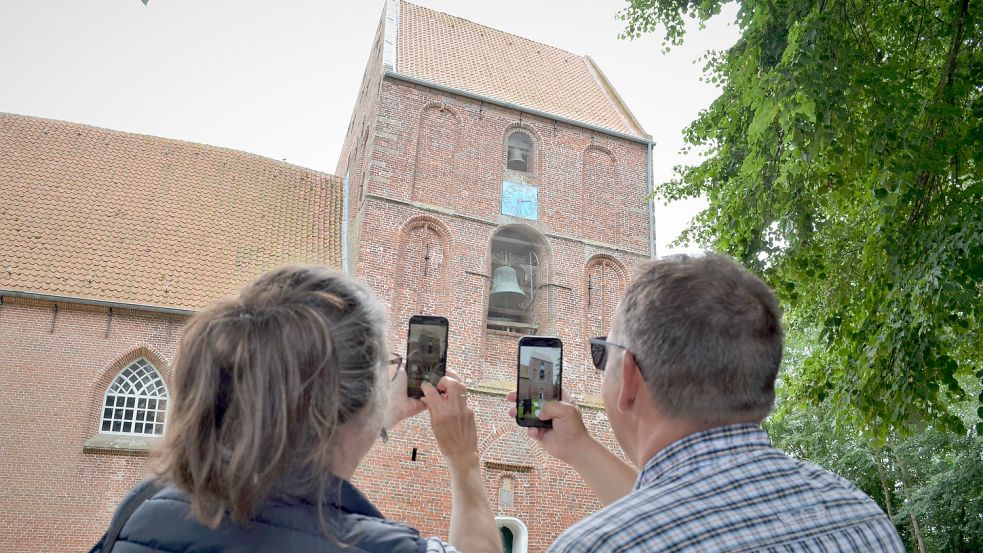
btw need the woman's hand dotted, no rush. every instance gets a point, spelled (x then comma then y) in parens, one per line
(452, 420)
(473, 527)
(401, 406)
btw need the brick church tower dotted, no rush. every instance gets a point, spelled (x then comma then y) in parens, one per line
(475, 155)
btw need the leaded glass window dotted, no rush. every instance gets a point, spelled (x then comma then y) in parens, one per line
(136, 402)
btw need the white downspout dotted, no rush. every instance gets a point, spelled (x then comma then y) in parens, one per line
(344, 224)
(651, 183)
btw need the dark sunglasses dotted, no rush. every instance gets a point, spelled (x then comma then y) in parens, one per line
(599, 351)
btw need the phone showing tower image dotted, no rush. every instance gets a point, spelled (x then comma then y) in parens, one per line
(538, 378)
(426, 352)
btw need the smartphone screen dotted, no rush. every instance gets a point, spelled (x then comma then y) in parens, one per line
(540, 372)
(426, 352)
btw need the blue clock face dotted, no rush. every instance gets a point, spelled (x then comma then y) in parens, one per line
(520, 200)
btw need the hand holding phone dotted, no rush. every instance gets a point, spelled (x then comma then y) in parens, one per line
(426, 352)
(452, 420)
(539, 376)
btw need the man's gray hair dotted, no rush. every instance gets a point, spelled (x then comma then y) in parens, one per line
(707, 336)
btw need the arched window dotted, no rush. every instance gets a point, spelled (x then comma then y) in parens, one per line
(420, 271)
(136, 402)
(437, 143)
(601, 207)
(516, 276)
(605, 287)
(519, 152)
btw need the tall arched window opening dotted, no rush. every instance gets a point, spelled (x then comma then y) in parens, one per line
(519, 152)
(136, 402)
(517, 271)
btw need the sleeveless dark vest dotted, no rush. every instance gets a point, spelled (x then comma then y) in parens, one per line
(164, 523)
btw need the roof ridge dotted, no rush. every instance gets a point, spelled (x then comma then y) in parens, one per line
(614, 97)
(4, 114)
(494, 29)
(464, 55)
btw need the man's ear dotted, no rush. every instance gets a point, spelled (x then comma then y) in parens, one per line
(631, 384)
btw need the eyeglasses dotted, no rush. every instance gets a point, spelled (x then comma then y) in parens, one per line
(394, 365)
(599, 351)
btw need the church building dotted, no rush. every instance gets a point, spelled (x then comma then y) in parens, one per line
(493, 180)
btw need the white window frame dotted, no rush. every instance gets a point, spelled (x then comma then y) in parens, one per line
(156, 377)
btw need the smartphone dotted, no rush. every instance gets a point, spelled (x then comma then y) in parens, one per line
(426, 352)
(538, 378)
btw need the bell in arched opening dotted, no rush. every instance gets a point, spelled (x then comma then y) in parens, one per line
(519, 147)
(514, 282)
(505, 285)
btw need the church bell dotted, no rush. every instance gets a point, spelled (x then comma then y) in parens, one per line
(517, 155)
(505, 284)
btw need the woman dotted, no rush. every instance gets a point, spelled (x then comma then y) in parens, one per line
(277, 397)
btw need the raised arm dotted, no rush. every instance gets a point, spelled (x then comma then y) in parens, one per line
(606, 474)
(473, 528)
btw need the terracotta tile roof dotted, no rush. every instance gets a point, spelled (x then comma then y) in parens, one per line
(461, 54)
(101, 214)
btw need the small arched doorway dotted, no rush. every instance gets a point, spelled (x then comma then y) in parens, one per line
(515, 535)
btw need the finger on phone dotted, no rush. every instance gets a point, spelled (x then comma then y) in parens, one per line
(430, 394)
(512, 412)
(536, 433)
(511, 395)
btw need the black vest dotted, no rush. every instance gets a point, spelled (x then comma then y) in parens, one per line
(164, 523)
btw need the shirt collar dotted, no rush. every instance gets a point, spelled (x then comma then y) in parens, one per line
(702, 446)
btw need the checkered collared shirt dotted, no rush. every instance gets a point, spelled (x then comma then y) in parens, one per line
(727, 489)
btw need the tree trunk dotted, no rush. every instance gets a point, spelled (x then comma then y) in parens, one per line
(887, 491)
(915, 528)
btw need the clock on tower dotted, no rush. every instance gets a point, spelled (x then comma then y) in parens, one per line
(520, 200)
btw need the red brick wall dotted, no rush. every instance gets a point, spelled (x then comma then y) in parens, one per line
(357, 150)
(52, 383)
(432, 207)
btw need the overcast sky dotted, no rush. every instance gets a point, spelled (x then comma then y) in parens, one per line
(280, 78)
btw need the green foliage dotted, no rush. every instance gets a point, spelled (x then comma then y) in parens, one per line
(843, 163)
(933, 477)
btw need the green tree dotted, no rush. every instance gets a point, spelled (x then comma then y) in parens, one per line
(843, 163)
(930, 483)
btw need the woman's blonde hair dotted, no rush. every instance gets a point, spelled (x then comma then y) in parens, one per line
(261, 385)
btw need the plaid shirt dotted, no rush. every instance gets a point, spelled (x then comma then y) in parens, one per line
(727, 489)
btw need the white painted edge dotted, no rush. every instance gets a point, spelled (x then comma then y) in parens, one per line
(520, 534)
(390, 35)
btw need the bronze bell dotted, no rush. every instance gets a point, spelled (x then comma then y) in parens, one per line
(517, 155)
(505, 284)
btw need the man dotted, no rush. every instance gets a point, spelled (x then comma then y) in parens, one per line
(689, 374)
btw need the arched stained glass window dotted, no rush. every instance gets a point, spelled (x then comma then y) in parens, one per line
(136, 402)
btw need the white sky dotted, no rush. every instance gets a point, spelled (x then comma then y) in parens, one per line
(550, 354)
(280, 78)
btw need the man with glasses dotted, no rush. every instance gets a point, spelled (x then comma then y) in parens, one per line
(689, 370)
